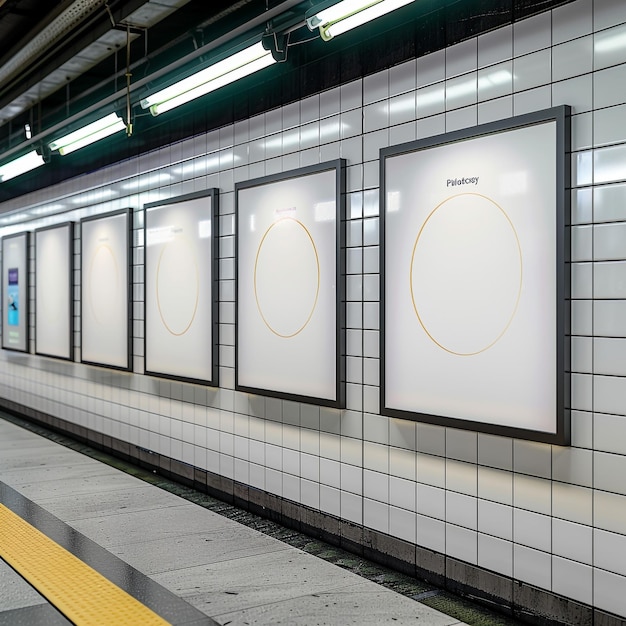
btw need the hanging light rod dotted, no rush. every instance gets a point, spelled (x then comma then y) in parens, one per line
(21, 165)
(335, 19)
(88, 134)
(232, 68)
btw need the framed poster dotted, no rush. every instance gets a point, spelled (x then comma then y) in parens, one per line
(181, 320)
(473, 310)
(54, 271)
(290, 285)
(15, 321)
(105, 290)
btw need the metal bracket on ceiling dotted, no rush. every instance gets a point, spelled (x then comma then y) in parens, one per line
(134, 30)
(108, 10)
(278, 36)
(277, 44)
(128, 28)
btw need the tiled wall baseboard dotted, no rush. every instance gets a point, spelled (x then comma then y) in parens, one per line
(512, 597)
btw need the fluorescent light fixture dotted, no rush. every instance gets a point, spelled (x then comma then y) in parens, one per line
(343, 16)
(230, 69)
(21, 165)
(89, 134)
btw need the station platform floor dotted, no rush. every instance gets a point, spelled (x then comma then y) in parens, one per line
(99, 541)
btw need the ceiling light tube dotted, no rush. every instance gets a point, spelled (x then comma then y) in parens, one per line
(343, 16)
(89, 134)
(230, 69)
(21, 165)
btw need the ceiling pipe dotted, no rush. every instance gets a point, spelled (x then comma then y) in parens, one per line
(120, 95)
(58, 28)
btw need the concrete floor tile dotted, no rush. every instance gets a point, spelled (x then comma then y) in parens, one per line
(18, 457)
(204, 548)
(15, 592)
(10, 434)
(96, 505)
(40, 615)
(362, 603)
(248, 582)
(44, 473)
(70, 488)
(142, 526)
(11, 443)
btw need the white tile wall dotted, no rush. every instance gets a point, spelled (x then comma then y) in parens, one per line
(572, 579)
(462, 543)
(550, 516)
(532, 566)
(431, 533)
(402, 524)
(532, 530)
(495, 519)
(495, 554)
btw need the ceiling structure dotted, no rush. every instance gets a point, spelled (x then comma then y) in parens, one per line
(63, 63)
(74, 45)
(70, 39)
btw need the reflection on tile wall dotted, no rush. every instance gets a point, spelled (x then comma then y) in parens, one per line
(553, 517)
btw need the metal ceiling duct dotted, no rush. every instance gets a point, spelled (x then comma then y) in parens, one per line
(144, 16)
(61, 26)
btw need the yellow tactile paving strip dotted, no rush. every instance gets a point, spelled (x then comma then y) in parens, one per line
(83, 595)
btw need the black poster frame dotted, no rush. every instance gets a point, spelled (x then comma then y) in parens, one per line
(70, 278)
(561, 115)
(213, 193)
(128, 212)
(26, 304)
(339, 166)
